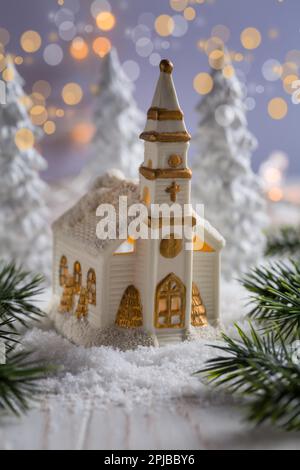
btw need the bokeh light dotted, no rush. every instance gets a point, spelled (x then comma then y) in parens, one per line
(49, 127)
(8, 75)
(272, 70)
(42, 87)
(203, 83)
(38, 114)
(221, 31)
(79, 49)
(67, 30)
(144, 47)
(216, 59)
(82, 133)
(277, 108)
(98, 6)
(101, 46)
(190, 13)
(179, 5)
(24, 139)
(228, 71)
(72, 94)
(251, 38)
(288, 82)
(31, 41)
(106, 21)
(132, 70)
(164, 25)
(53, 54)
(180, 26)
(4, 37)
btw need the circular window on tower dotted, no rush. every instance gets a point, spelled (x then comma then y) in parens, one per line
(170, 247)
(175, 161)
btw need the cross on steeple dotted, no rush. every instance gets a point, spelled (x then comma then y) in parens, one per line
(173, 190)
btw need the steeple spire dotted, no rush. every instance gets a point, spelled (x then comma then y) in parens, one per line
(165, 122)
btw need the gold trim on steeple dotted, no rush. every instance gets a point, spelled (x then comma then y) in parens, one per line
(158, 114)
(153, 136)
(156, 173)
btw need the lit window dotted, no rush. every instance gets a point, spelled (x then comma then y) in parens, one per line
(63, 271)
(77, 277)
(199, 245)
(127, 247)
(91, 287)
(146, 196)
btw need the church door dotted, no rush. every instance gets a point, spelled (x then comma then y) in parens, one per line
(170, 303)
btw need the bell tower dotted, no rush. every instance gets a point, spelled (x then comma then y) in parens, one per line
(165, 178)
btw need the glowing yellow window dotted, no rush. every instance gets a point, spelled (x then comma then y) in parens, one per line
(200, 245)
(146, 196)
(126, 248)
(77, 277)
(63, 271)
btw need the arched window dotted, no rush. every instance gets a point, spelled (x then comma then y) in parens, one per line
(63, 271)
(146, 196)
(126, 248)
(91, 287)
(77, 277)
(170, 303)
(199, 245)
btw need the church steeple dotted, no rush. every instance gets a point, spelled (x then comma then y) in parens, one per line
(165, 121)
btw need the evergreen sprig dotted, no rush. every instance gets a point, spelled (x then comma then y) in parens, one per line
(17, 289)
(264, 372)
(275, 298)
(19, 382)
(20, 375)
(284, 242)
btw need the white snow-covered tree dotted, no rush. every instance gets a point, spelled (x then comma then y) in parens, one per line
(118, 123)
(223, 177)
(24, 231)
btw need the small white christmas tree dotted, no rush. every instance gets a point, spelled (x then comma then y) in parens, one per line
(224, 181)
(24, 234)
(118, 123)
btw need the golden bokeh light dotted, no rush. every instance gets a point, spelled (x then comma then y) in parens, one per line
(37, 98)
(24, 139)
(228, 71)
(8, 75)
(212, 44)
(101, 46)
(31, 41)
(216, 59)
(275, 194)
(72, 94)
(38, 114)
(79, 49)
(189, 13)
(288, 68)
(288, 82)
(179, 5)
(60, 113)
(164, 25)
(4, 37)
(19, 60)
(83, 133)
(273, 33)
(277, 108)
(49, 127)
(203, 83)
(43, 88)
(106, 21)
(251, 38)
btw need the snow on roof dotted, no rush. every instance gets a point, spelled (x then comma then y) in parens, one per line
(80, 222)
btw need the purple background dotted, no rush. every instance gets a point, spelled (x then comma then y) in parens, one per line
(64, 158)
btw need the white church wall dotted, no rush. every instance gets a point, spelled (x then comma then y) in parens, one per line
(65, 247)
(205, 275)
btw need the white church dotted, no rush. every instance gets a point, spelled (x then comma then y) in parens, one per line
(155, 285)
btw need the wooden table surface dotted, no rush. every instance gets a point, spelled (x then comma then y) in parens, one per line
(186, 427)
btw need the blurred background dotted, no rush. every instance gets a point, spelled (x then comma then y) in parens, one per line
(58, 47)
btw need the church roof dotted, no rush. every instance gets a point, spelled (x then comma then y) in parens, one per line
(80, 222)
(165, 120)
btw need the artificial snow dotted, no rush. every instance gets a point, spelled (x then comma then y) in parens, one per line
(145, 375)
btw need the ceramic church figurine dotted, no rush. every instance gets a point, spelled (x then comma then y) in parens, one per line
(153, 285)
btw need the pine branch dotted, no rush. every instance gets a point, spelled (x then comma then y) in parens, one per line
(17, 288)
(19, 382)
(276, 298)
(285, 242)
(263, 372)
